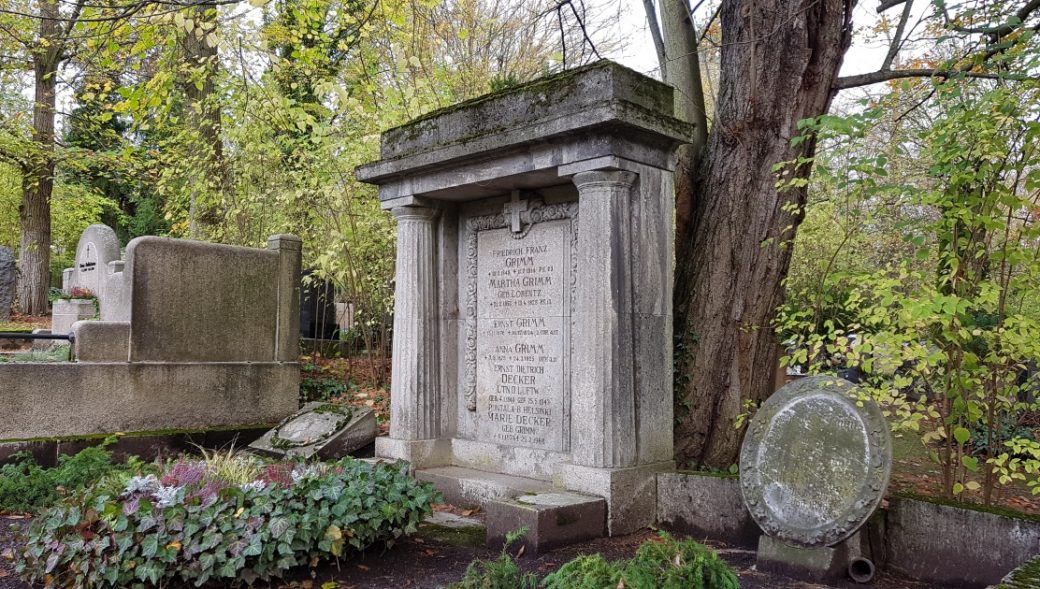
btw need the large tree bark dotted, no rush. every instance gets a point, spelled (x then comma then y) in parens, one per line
(198, 83)
(38, 174)
(780, 59)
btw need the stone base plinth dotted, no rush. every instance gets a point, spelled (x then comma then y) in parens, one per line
(418, 453)
(630, 493)
(823, 564)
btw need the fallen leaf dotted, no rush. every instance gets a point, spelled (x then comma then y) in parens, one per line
(520, 552)
(362, 567)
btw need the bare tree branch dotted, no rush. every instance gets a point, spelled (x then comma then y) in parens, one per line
(886, 4)
(897, 38)
(655, 33)
(884, 76)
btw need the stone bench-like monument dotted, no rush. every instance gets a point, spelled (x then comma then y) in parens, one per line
(533, 321)
(192, 335)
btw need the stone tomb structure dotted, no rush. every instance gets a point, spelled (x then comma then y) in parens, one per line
(211, 340)
(532, 328)
(98, 268)
(814, 466)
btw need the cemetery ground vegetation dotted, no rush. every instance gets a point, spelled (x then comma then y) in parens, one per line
(226, 518)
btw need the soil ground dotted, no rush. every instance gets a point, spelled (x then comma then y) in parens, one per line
(429, 560)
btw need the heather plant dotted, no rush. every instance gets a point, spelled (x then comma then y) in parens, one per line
(191, 524)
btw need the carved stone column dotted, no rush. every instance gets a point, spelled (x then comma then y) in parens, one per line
(415, 412)
(603, 397)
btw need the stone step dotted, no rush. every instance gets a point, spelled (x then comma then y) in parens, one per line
(466, 486)
(550, 520)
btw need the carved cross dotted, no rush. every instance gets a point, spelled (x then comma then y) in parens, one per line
(512, 209)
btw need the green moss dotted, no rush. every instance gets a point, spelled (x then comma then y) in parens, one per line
(471, 536)
(991, 509)
(139, 434)
(1027, 575)
(547, 83)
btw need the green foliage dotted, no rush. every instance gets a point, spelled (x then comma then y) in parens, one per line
(660, 563)
(936, 301)
(192, 526)
(501, 573)
(59, 353)
(26, 487)
(320, 389)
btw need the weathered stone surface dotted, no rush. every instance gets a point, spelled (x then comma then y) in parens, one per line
(551, 519)
(705, 506)
(101, 341)
(814, 464)
(68, 399)
(8, 282)
(522, 332)
(463, 486)
(322, 429)
(65, 312)
(533, 294)
(202, 302)
(631, 493)
(956, 547)
(98, 245)
(820, 563)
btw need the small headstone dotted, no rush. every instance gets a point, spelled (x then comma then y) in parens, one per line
(324, 429)
(97, 247)
(815, 462)
(8, 281)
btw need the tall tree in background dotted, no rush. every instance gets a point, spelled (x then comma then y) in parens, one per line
(742, 194)
(46, 50)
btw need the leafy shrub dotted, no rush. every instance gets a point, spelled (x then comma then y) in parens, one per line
(502, 573)
(27, 487)
(661, 563)
(190, 525)
(1004, 430)
(320, 389)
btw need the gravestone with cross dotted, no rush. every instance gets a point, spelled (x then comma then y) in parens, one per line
(533, 291)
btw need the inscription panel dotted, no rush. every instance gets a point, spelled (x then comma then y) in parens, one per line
(523, 336)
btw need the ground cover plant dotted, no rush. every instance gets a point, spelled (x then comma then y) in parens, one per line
(225, 519)
(25, 486)
(659, 563)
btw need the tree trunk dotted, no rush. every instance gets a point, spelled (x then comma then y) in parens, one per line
(198, 84)
(38, 176)
(780, 59)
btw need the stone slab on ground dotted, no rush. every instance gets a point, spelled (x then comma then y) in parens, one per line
(465, 486)
(320, 429)
(552, 519)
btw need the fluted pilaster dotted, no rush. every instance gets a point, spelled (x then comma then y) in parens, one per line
(603, 398)
(415, 412)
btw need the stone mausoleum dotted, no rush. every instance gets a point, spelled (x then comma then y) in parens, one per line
(533, 321)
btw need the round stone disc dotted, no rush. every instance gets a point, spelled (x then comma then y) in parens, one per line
(815, 463)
